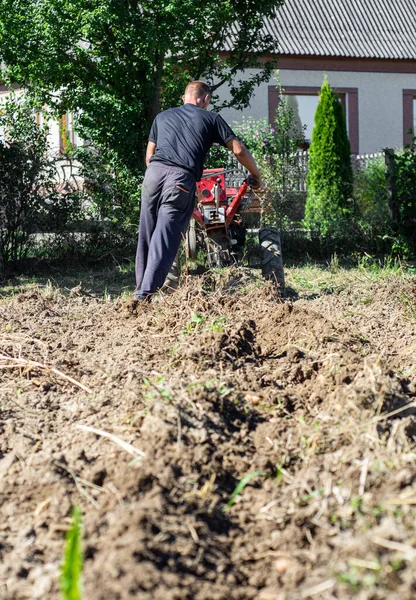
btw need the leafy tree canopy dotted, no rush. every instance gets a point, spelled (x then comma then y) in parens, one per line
(117, 63)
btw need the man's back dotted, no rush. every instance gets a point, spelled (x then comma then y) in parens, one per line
(184, 135)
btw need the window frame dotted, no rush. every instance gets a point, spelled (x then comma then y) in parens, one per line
(349, 99)
(408, 115)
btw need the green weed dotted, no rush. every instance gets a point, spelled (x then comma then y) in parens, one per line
(279, 473)
(334, 264)
(218, 324)
(304, 500)
(351, 579)
(157, 389)
(396, 564)
(241, 485)
(357, 505)
(195, 323)
(199, 322)
(380, 267)
(71, 570)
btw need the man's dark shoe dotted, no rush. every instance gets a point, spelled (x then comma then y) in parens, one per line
(134, 303)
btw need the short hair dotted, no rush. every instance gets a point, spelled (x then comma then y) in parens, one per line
(198, 89)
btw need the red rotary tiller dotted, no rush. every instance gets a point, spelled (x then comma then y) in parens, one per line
(219, 226)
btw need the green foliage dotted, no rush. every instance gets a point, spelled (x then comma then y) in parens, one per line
(241, 485)
(195, 323)
(71, 570)
(370, 194)
(329, 180)
(22, 178)
(219, 157)
(370, 199)
(218, 324)
(274, 148)
(376, 230)
(259, 137)
(117, 64)
(282, 169)
(406, 196)
(112, 187)
(29, 200)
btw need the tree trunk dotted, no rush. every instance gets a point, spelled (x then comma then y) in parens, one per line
(155, 106)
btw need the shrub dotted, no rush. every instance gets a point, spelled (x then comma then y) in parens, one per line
(282, 168)
(275, 151)
(329, 180)
(370, 198)
(23, 176)
(406, 197)
(29, 201)
(113, 189)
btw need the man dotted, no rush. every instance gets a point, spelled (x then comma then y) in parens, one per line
(178, 143)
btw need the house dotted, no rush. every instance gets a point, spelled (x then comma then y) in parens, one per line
(61, 133)
(367, 48)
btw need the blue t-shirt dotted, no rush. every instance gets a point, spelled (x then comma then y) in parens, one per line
(184, 135)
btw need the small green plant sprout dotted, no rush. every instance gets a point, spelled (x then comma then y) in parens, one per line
(71, 570)
(361, 574)
(241, 485)
(157, 389)
(351, 579)
(357, 505)
(304, 500)
(218, 324)
(334, 264)
(195, 322)
(224, 391)
(279, 473)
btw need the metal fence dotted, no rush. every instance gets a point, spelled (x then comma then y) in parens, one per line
(68, 170)
(358, 163)
(361, 161)
(302, 163)
(300, 167)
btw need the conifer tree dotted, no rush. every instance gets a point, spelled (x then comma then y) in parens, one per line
(329, 180)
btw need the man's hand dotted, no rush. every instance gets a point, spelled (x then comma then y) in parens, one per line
(254, 182)
(150, 151)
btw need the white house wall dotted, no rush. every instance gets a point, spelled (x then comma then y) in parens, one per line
(54, 136)
(380, 102)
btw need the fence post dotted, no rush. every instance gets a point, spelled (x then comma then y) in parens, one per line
(392, 204)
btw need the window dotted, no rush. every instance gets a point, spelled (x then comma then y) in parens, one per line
(304, 101)
(409, 115)
(414, 115)
(304, 108)
(67, 134)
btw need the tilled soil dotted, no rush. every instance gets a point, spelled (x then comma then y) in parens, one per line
(312, 397)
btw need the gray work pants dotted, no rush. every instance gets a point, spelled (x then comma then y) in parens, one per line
(168, 198)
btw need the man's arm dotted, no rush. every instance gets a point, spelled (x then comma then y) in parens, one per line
(150, 150)
(245, 158)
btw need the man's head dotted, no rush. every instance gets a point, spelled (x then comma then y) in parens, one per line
(198, 93)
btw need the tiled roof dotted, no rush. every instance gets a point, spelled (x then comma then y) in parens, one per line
(346, 28)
